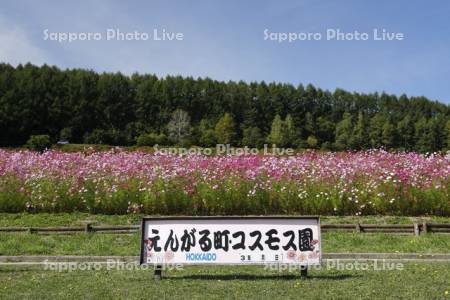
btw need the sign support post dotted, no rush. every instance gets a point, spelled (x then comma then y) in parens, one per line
(304, 272)
(158, 272)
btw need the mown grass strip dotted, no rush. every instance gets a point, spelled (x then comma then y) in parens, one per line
(413, 281)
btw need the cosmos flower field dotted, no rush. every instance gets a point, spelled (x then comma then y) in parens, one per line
(119, 182)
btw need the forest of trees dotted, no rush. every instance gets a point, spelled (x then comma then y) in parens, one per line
(83, 106)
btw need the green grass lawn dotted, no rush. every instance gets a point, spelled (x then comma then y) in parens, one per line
(415, 281)
(120, 244)
(77, 219)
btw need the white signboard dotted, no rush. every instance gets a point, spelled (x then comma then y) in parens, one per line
(231, 240)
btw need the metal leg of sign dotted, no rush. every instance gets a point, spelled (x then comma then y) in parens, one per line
(304, 272)
(158, 272)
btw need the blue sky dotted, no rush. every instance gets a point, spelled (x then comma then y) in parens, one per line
(224, 40)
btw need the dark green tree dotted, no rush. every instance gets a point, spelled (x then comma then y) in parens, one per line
(360, 136)
(276, 135)
(447, 135)
(344, 130)
(388, 135)
(290, 132)
(252, 137)
(405, 129)
(225, 129)
(117, 109)
(376, 130)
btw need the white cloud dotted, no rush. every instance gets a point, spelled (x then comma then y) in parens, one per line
(16, 47)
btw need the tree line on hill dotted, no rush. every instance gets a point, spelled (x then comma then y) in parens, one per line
(83, 106)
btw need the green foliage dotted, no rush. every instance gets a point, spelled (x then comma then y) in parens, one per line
(252, 137)
(11, 197)
(39, 142)
(423, 136)
(206, 134)
(310, 125)
(283, 132)
(325, 131)
(311, 141)
(344, 130)
(97, 136)
(289, 131)
(228, 197)
(376, 130)
(360, 137)
(208, 138)
(405, 129)
(65, 134)
(225, 129)
(388, 135)
(151, 139)
(111, 108)
(447, 134)
(276, 132)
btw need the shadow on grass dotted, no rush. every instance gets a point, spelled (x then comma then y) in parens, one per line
(260, 277)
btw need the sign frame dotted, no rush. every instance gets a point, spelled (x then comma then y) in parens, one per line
(194, 218)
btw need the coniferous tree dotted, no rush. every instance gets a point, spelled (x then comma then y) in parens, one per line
(276, 132)
(422, 135)
(252, 137)
(310, 126)
(405, 129)
(289, 131)
(447, 135)
(117, 109)
(325, 131)
(360, 135)
(205, 134)
(344, 130)
(376, 130)
(435, 134)
(388, 134)
(225, 129)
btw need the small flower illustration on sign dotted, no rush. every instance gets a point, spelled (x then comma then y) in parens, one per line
(291, 255)
(314, 243)
(169, 255)
(302, 257)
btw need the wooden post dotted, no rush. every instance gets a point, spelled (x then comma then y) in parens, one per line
(416, 229)
(88, 227)
(424, 227)
(158, 272)
(358, 228)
